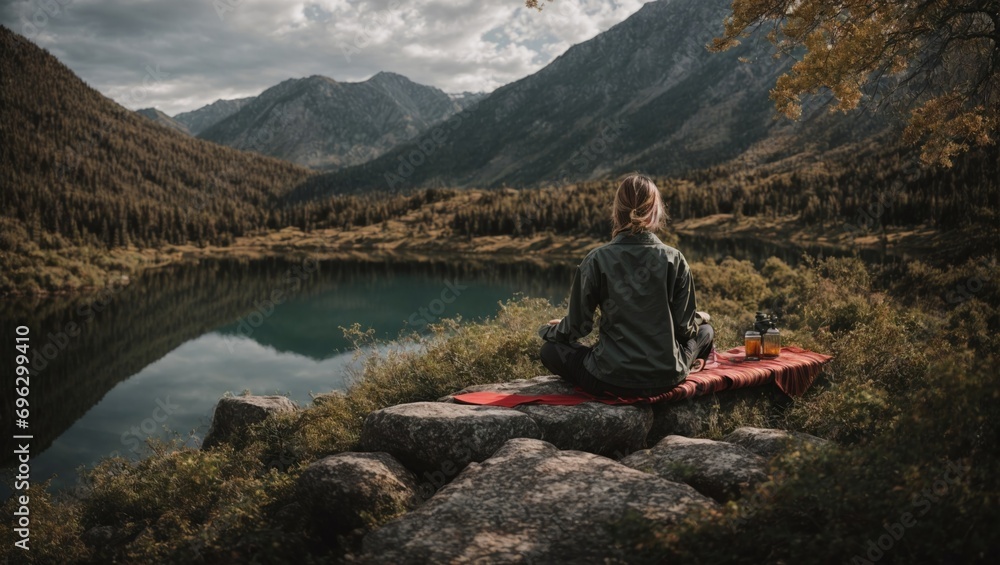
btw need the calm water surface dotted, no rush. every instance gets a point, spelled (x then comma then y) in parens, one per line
(152, 359)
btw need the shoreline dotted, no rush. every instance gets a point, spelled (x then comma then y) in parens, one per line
(789, 231)
(395, 240)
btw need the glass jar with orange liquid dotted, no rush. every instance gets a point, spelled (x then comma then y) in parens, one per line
(754, 347)
(771, 341)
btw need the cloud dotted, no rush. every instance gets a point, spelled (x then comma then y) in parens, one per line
(211, 49)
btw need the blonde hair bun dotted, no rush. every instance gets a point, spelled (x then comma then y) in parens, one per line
(638, 206)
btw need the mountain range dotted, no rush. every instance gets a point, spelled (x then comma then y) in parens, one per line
(196, 121)
(646, 94)
(320, 122)
(205, 117)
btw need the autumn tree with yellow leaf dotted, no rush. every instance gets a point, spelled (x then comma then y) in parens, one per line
(939, 59)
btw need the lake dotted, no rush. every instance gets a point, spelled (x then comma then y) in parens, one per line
(152, 358)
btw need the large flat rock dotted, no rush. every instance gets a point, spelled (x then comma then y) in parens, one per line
(532, 503)
(714, 468)
(437, 440)
(612, 431)
(594, 427)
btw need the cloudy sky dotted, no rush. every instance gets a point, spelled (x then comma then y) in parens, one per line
(178, 55)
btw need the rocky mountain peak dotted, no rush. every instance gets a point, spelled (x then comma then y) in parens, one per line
(319, 122)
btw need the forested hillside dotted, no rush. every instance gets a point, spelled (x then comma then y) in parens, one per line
(858, 188)
(81, 175)
(78, 169)
(164, 120)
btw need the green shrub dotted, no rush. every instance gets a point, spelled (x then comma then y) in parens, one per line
(185, 506)
(735, 286)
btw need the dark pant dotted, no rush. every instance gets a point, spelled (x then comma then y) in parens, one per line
(566, 360)
(699, 347)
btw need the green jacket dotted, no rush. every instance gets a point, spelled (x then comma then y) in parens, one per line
(646, 294)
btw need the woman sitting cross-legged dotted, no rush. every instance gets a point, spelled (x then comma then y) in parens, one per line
(649, 337)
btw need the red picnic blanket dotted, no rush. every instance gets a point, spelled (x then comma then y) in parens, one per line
(793, 371)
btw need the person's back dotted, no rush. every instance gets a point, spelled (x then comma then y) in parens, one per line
(643, 282)
(648, 339)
